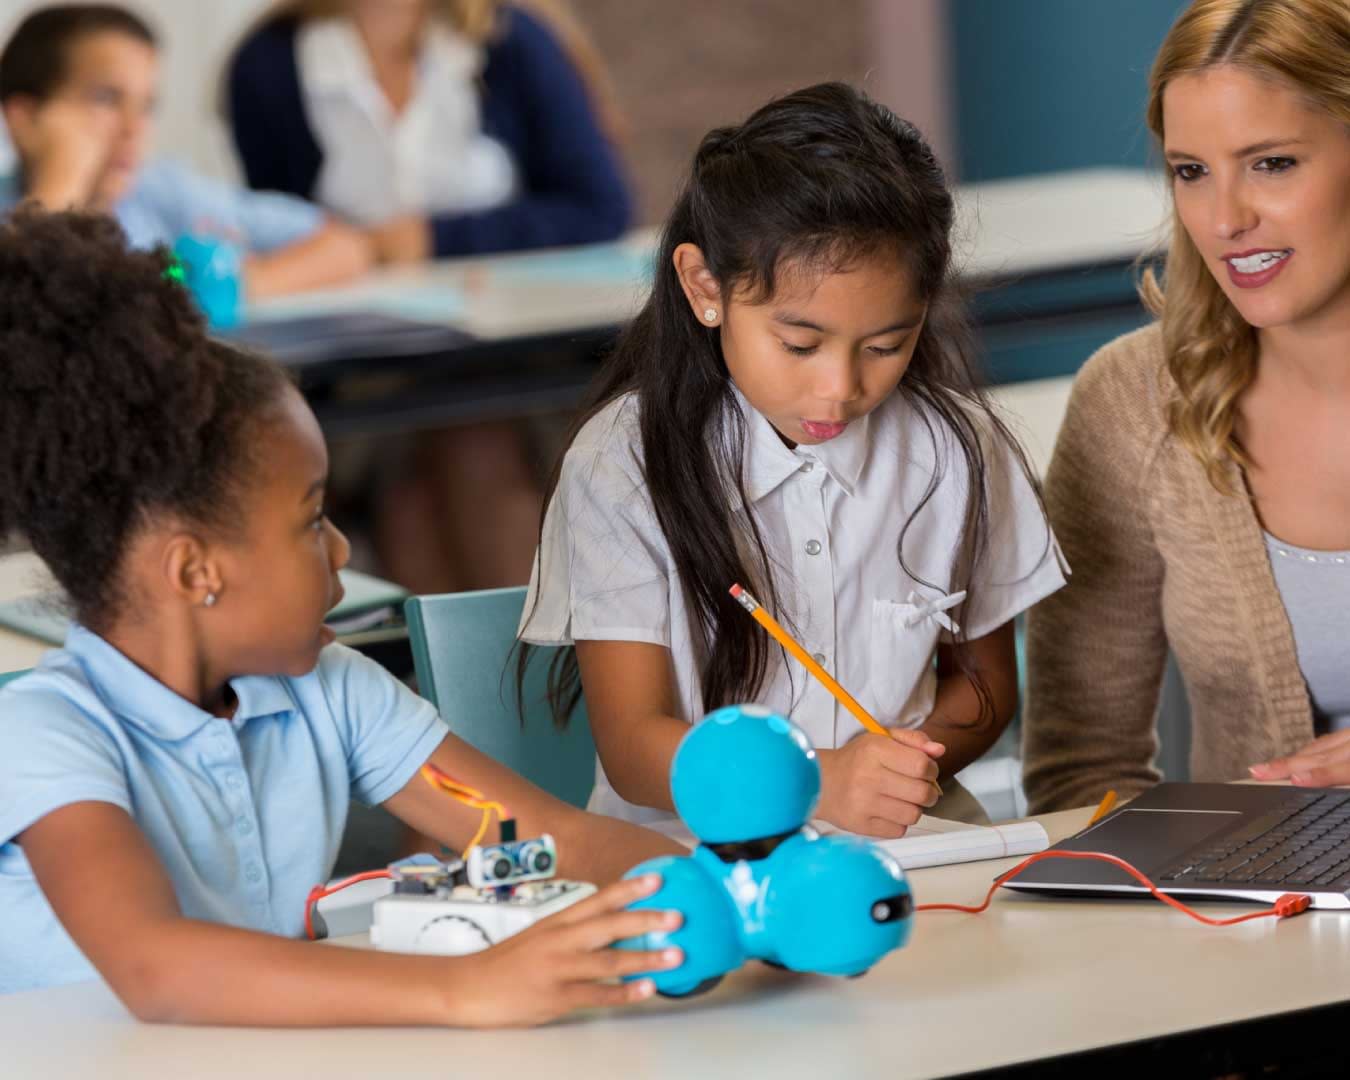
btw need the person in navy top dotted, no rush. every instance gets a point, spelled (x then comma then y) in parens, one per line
(174, 779)
(563, 183)
(442, 128)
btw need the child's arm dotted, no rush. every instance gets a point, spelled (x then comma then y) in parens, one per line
(965, 726)
(631, 702)
(334, 253)
(113, 897)
(873, 785)
(590, 847)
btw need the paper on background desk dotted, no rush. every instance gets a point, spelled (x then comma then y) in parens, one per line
(930, 842)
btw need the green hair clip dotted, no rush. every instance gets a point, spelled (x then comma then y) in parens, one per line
(174, 271)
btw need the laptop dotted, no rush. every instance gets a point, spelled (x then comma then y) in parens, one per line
(1212, 842)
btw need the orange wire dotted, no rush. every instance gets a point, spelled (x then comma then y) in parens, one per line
(1287, 905)
(320, 891)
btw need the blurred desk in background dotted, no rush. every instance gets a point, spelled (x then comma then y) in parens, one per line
(1048, 260)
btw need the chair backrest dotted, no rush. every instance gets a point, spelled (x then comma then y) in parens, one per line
(10, 676)
(462, 650)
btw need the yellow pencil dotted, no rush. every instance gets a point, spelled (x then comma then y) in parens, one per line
(1103, 808)
(781, 636)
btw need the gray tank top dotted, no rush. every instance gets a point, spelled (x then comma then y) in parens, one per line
(1315, 588)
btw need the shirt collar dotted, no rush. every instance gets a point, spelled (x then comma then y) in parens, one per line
(139, 698)
(333, 59)
(768, 463)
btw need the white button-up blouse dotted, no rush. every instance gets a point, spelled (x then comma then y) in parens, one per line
(831, 516)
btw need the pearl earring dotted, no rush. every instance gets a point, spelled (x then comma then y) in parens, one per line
(710, 314)
(210, 600)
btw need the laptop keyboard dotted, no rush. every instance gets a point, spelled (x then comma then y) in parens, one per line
(1303, 844)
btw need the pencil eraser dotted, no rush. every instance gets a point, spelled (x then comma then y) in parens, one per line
(736, 591)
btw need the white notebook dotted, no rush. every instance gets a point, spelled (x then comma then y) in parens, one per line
(930, 842)
(940, 842)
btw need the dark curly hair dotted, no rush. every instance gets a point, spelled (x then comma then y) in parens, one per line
(115, 406)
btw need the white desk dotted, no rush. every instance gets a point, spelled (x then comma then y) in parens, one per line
(1029, 979)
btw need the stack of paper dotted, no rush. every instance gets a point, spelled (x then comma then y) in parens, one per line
(939, 842)
(930, 842)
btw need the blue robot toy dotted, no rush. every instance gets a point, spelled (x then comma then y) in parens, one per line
(762, 884)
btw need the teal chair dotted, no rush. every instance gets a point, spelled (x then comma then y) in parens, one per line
(462, 646)
(10, 676)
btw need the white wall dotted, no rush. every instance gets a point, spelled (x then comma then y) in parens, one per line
(195, 35)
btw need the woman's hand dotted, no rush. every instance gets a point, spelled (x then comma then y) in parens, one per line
(878, 785)
(557, 965)
(1324, 762)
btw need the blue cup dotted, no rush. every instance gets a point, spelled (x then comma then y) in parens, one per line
(212, 272)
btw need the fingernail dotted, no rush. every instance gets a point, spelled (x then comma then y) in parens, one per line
(1300, 777)
(671, 920)
(651, 881)
(672, 957)
(644, 988)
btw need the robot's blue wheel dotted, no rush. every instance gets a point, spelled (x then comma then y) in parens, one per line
(698, 988)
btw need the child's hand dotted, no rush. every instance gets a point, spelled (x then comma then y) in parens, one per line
(556, 966)
(878, 785)
(65, 147)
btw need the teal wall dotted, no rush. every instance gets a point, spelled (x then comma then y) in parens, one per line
(1045, 85)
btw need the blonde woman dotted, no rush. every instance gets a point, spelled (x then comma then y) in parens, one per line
(1201, 484)
(442, 127)
(447, 127)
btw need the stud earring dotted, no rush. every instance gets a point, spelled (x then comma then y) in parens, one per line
(210, 600)
(710, 314)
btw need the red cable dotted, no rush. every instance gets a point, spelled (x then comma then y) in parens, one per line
(1287, 905)
(319, 892)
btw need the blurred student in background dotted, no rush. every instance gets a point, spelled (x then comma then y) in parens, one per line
(454, 127)
(78, 85)
(445, 128)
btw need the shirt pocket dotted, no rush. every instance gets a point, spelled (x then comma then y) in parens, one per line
(905, 635)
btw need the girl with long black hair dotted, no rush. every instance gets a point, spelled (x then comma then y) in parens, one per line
(796, 408)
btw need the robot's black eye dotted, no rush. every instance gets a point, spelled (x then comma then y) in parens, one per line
(542, 862)
(893, 908)
(502, 868)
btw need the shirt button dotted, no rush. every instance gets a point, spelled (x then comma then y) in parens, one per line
(245, 826)
(808, 465)
(819, 658)
(813, 547)
(252, 873)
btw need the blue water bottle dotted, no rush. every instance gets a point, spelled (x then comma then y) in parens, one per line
(212, 272)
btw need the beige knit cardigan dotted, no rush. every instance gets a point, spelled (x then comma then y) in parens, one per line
(1160, 558)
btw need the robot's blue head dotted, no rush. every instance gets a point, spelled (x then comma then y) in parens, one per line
(744, 773)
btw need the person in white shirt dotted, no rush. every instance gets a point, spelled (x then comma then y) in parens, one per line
(795, 409)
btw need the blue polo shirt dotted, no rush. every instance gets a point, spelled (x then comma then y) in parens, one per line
(245, 814)
(168, 201)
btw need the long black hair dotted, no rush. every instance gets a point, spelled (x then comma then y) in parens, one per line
(815, 180)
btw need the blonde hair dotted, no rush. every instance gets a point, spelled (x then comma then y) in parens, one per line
(1211, 350)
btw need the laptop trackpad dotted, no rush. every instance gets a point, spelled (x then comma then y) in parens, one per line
(1149, 840)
